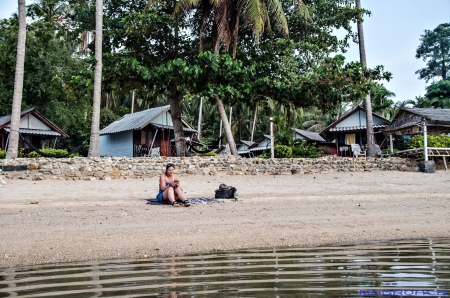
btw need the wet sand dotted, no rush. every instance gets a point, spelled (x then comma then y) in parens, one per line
(65, 221)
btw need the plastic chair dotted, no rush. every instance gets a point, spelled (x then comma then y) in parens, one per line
(356, 149)
(155, 151)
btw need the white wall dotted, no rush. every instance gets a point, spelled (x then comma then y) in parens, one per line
(31, 122)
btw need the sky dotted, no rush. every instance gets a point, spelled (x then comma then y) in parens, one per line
(392, 35)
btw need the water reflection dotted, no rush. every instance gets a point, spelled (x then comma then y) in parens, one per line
(338, 271)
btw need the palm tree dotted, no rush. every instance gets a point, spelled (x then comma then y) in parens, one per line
(368, 103)
(18, 83)
(226, 26)
(95, 128)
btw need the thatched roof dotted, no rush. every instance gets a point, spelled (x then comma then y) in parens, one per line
(410, 121)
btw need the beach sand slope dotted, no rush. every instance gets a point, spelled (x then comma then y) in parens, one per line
(66, 221)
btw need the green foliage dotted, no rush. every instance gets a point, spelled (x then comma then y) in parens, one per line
(33, 154)
(48, 151)
(107, 117)
(211, 153)
(282, 151)
(439, 141)
(2, 154)
(303, 149)
(380, 97)
(438, 94)
(21, 153)
(434, 49)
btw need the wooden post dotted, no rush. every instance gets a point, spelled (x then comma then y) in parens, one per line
(272, 139)
(391, 143)
(132, 102)
(199, 127)
(425, 145)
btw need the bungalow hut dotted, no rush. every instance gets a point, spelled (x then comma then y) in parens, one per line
(417, 120)
(138, 133)
(308, 136)
(260, 145)
(351, 129)
(34, 129)
(243, 148)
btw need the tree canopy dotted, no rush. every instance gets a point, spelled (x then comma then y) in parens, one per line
(158, 55)
(434, 49)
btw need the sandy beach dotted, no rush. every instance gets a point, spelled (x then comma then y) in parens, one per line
(66, 221)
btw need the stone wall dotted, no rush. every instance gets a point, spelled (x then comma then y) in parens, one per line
(107, 168)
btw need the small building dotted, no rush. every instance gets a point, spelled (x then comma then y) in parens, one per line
(308, 136)
(410, 121)
(352, 129)
(34, 130)
(261, 144)
(243, 148)
(138, 133)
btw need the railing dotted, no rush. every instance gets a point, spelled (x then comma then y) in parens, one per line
(431, 151)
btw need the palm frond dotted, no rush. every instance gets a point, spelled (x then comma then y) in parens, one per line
(255, 13)
(303, 10)
(276, 9)
(184, 5)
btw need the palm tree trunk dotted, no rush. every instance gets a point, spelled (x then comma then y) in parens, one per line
(226, 126)
(367, 101)
(13, 147)
(175, 111)
(95, 128)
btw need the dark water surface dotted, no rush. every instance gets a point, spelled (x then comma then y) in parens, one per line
(407, 268)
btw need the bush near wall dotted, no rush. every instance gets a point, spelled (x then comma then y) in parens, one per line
(282, 151)
(440, 141)
(48, 151)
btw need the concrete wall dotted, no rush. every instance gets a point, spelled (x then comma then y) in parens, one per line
(106, 168)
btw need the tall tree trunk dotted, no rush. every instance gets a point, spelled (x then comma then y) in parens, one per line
(226, 126)
(95, 128)
(220, 106)
(175, 111)
(13, 146)
(367, 101)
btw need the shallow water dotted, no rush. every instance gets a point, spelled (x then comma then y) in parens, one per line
(382, 269)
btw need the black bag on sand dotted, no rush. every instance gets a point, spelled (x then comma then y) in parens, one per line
(226, 192)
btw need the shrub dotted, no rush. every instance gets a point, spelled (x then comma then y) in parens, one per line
(440, 141)
(33, 154)
(211, 153)
(282, 151)
(303, 149)
(2, 154)
(49, 152)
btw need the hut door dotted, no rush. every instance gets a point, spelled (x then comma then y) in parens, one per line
(165, 145)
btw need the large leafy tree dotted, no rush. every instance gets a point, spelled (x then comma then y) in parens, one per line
(434, 49)
(224, 19)
(18, 83)
(56, 82)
